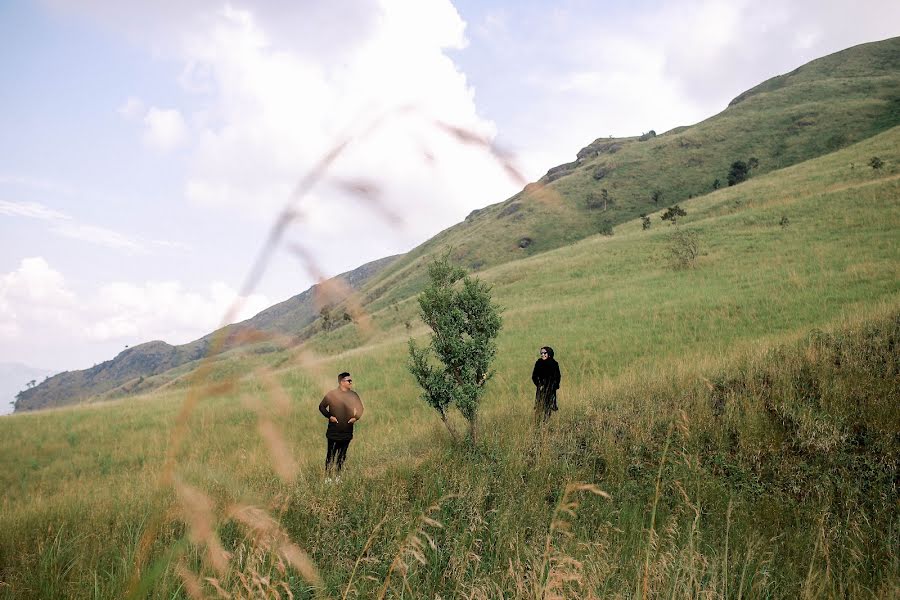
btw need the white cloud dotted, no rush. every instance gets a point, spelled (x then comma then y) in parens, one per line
(273, 86)
(32, 210)
(35, 282)
(165, 310)
(40, 315)
(64, 225)
(98, 235)
(164, 129)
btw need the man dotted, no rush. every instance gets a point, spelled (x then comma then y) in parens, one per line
(342, 407)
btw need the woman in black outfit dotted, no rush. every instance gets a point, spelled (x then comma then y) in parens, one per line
(546, 377)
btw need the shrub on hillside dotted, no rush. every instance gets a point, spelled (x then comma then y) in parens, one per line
(464, 324)
(672, 213)
(601, 201)
(683, 249)
(645, 222)
(876, 163)
(739, 172)
(646, 136)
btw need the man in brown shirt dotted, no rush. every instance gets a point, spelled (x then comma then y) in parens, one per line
(342, 407)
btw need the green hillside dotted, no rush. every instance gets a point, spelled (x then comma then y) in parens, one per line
(820, 107)
(740, 415)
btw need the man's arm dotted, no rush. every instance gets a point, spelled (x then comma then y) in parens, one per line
(324, 408)
(358, 410)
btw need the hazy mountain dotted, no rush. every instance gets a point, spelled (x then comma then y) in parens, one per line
(14, 377)
(133, 365)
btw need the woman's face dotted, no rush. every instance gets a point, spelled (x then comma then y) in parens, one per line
(544, 355)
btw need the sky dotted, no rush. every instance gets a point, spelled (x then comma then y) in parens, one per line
(149, 147)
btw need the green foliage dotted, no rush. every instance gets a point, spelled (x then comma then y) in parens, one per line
(464, 324)
(876, 163)
(672, 213)
(645, 222)
(683, 249)
(716, 184)
(606, 228)
(738, 172)
(656, 196)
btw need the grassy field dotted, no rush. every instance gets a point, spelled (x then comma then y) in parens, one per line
(822, 106)
(739, 418)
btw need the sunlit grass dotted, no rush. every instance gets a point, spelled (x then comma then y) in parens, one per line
(762, 449)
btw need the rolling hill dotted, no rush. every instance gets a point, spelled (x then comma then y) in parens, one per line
(128, 371)
(823, 106)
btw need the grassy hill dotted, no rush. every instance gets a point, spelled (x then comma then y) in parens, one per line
(132, 370)
(739, 416)
(819, 107)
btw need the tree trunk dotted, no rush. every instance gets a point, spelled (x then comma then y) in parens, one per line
(473, 430)
(450, 427)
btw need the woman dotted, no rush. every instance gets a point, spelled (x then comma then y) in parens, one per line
(546, 379)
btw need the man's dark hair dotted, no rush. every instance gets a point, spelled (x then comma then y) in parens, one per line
(342, 375)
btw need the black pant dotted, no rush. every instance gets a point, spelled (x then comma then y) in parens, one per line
(337, 452)
(544, 402)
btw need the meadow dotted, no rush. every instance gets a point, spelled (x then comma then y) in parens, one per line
(726, 430)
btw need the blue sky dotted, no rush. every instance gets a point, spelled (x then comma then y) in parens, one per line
(148, 147)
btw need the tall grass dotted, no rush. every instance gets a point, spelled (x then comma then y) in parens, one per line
(743, 456)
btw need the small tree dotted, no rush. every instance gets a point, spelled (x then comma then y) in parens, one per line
(739, 172)
(876, 163)
(604, 197)
(645, 222)
(655, 196)
(464, 324)
(327, 317)
(717, 184)
(672, 213)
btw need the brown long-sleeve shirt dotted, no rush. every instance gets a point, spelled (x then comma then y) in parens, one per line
(343, 406)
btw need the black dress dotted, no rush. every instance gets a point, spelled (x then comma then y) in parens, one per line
(546, 378)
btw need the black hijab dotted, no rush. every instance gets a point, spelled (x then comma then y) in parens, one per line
(546, 371)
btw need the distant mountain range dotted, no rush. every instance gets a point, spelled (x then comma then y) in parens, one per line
(820, 107)
(126, 372)
(15, 377)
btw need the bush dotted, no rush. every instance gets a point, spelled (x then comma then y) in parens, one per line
(739, 172)
(646, 136)
(876, 163)
(672, 213)
(603, 201)
(683, 249)
(645, 222)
